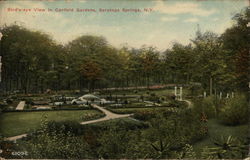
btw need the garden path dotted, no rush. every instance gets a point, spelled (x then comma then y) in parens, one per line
(188, 102)
(109, 116)
(20, 106)
(14, 138)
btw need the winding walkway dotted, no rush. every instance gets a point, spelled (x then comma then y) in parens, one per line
(109, 116)
(188, 102)
(14, 138)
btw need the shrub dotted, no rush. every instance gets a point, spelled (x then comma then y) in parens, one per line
(153, 97)
(3, 106)
(153, 94)
(207, 106)
(121, 124)
(170, 134)
(9, 100)
(235, 111)
(14, 97)
(59, 127)
(144, 115)
(57, 146)
(170, 97)
(28, 101)
(175, 103)
(226, 148)
(192, 126)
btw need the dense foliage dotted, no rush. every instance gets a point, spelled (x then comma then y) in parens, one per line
(226, 148)
(231, 111)
(207, 106)
(235, 111)
(164, 135)
(33, 62)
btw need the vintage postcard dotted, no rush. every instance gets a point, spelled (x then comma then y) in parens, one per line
(116, 79)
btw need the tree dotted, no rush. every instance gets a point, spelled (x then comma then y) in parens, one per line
(24, 57)
(101, 55)
(92, 72)
(235, 41)
(209, 52)
(80, 49)
(180, 63)
(149, 57)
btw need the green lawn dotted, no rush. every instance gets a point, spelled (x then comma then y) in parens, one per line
(216, 129)
(134, 110)
(15, 123)
(163, 92)
(158, 92)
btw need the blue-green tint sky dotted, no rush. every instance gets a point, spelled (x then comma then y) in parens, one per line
(170, 20)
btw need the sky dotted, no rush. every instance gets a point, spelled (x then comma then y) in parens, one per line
(169, 21)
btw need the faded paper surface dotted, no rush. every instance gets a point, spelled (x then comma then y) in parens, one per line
(124, 79)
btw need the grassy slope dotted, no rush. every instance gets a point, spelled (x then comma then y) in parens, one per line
(12, 124)
(134, 110)
(217, 129)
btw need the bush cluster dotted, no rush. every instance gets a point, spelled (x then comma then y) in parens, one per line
(207, 106)
(235, 111)
(177, 104)
(64, 127)
(163, 135)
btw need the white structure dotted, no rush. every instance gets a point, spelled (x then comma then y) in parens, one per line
(90, 99)
(204, 94)
(227, 95)
(175, 91)
(220, 95)
(178, 96)
(248, 24)
(232, 94)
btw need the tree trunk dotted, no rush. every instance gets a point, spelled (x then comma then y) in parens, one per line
(147, 81)
(42, 87)
(211, 86)
(127, 81)
(80, 84)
